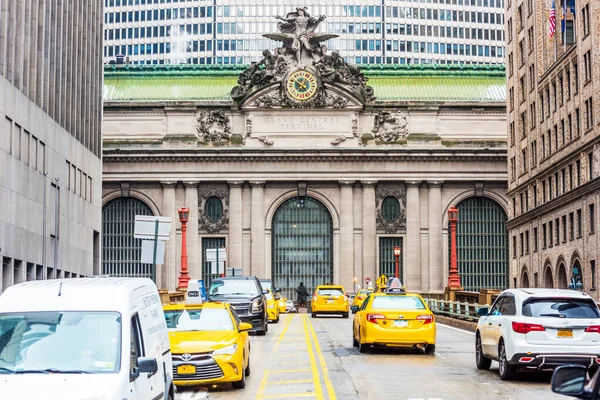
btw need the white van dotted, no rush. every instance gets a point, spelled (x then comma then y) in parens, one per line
(84, 339)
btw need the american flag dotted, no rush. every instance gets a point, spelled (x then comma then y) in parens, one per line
(552, 20)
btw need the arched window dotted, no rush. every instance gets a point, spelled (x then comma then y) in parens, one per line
(482, 244)
(562, 277)
(548, 278)
(121, 252)
(524, 279)
(390, 208)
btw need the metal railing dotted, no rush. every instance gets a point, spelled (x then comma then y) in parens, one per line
(455, 309)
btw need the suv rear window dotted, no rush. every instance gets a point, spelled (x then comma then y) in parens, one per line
(560, 308)
(330, 292)
(397, 303)
(233, 287)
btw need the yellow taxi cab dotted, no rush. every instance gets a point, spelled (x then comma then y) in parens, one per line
(272, 307)
(329, 299)
(394, 318)
(209, 344)
(360, 297)
(281, 305)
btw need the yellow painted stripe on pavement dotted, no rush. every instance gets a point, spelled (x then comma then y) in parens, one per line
(290, 370)
(263, 384)
(287, 325)
(290, 382)
(313, 363)
(280, 395)
(330, 390)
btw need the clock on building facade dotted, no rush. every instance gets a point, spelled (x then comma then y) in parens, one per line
(301, 85)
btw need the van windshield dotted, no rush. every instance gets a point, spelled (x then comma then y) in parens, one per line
(60, 342)
(199, 320)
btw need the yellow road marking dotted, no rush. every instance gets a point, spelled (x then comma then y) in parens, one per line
(263, 384)
(313, 363)
(287, 325)
(330, 390)
(290, 382)
(283, 371)
(280, 395)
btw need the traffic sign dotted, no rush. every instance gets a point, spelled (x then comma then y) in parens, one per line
(145, 227)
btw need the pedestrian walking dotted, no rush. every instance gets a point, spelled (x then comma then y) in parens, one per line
(302, 294)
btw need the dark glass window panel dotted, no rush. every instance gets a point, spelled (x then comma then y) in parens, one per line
(213, 208)
(390, 208)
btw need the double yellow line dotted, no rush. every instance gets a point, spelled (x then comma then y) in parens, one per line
(314, 352)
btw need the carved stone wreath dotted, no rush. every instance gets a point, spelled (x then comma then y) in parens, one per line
(213, 125)
(399, 223)
(204, 220)
(390, 126)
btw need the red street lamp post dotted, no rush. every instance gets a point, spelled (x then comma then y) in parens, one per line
(453, 278)
(184, 278)
(397, 251)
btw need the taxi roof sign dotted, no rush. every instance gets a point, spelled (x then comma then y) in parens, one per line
(195, 292)
(395, 290)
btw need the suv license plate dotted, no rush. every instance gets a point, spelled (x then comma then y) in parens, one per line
(186, 369)
(564, 333)
(400, 323)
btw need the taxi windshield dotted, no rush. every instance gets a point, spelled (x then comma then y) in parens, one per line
(397, 303)
(210, 319)
(60, 342)
(364, 291)
(330, 292)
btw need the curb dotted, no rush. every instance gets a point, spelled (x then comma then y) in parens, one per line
(457, 323)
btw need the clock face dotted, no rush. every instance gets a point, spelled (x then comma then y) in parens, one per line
(302, 85)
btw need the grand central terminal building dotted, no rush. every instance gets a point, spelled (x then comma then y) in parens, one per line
(307, 168)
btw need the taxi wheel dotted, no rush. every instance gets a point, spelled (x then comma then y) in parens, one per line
(313, 315)
(430, 349)
(277, 320)
(363, 347)
(241, 383)
(247, 370)
(354, 341)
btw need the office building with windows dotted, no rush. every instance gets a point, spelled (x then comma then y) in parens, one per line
(373, 32)
(553, 88)
(50, 142)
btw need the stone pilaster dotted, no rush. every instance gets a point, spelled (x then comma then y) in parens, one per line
(345, 277)
(412, 275)
(235, 248)
(257, 266)
(167, 278)
(191, 202)
(369, 228)
(436, 267)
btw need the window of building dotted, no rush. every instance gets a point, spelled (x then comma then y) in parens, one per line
(526, 242)
(521, 243)
(514, 246)
(557, 236)
(571, 226)
(579, 223)
(535, 239)
(587, 66)
(578, 171)
(589, 114)
(593, 270)
(592, 215)
(564, 228)
(585, 14)
(577, 122)
(533, 153)
(544, 236)
(591, 165)
(550, 233)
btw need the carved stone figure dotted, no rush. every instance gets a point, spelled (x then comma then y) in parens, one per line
(265, 140)
(390, 126)
(299, 27)
(338, 139)
(213, 125)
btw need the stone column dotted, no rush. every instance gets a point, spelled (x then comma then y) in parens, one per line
(257, 266)
(436, 268)
(168, 277)
(346, 234)
(369, 237)
(191, 202)
(412, 247)
(246, 229)
(235, 249)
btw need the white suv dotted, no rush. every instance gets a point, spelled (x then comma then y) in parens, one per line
(538, 329)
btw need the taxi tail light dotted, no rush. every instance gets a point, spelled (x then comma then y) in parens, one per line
(374, 317)
(593, 329)
(427, 318)
(315, 297)
(525, 328)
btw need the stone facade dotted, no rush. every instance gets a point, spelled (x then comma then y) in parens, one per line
(50, 142)
(552, 88)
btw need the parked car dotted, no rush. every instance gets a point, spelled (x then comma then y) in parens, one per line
(209, 344)
(329, 299)
(247, 298)
(538, 329)
(290, 307)
(91, 338)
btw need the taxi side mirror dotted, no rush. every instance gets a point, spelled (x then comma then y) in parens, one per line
(244, 326)
(354, 309)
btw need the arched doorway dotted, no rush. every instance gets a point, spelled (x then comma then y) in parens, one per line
(577, 272)
(548, 278)
(482, 244)
(524, 279)
(302, 245)
(121, 252)
(562, 277)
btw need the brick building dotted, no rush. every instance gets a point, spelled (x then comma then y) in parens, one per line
(553, 154)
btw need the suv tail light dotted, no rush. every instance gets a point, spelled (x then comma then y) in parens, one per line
(593, 329)
(427, 319)
(524, 328)
(374, 317)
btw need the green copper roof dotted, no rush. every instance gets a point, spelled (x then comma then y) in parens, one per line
(391, 83)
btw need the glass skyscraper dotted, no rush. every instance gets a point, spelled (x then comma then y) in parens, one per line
(225, 32)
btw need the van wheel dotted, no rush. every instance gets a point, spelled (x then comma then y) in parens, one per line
(241, 383)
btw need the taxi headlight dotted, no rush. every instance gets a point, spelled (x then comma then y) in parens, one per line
(257, 306)
(226, 350)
